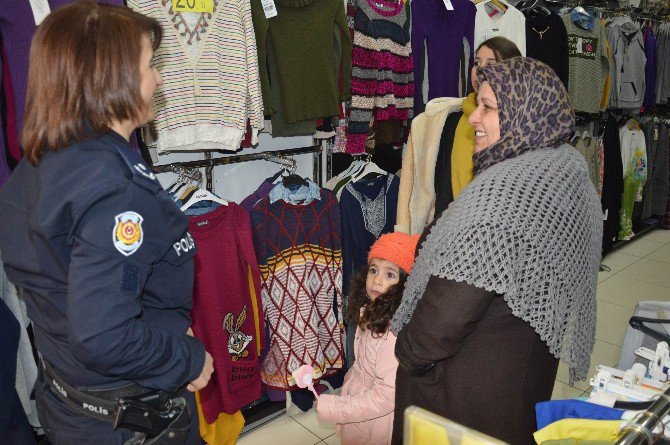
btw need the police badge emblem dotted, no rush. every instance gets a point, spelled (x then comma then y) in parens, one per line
(127, 235)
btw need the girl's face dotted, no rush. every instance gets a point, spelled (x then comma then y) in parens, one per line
(382, 274)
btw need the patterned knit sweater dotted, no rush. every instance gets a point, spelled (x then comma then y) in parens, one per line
(382, 79)
(299, 253)
(210, 76)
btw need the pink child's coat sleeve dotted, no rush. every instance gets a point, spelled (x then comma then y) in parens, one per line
(376, 402)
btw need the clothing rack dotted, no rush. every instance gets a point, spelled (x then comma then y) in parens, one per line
(639, 431)
(277, 156)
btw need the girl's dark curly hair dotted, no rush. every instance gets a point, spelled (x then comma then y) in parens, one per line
(377, 314)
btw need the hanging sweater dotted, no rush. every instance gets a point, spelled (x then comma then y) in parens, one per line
(301, 36)
(547, 41)
(628, 57)
(588, 65)
(511, 25)
(227, 313)
(210, 76)
(382, 83)
(440, 32)
(300, 258)
(650, 67)
(368, 210)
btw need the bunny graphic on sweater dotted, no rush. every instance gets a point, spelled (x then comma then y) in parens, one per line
(237, 340)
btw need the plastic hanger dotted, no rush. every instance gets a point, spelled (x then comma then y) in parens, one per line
(353, 168)
(203, 195)
(368, 168)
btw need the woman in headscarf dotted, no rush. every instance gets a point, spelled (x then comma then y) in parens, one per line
(504, 285)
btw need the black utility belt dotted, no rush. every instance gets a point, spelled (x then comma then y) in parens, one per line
(131, 406)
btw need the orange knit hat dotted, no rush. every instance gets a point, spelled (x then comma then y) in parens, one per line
(398, 248)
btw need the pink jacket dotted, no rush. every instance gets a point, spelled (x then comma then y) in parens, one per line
(364, 411)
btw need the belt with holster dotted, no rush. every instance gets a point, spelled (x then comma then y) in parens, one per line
(153, 413)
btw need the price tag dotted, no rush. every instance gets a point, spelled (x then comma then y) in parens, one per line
(269, 8)
(40, 9)
(655, 134)
(193, 5)
(448, 4)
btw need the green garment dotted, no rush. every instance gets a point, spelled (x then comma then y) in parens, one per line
(301, 36)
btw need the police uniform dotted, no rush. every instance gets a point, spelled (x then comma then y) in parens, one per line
(105, 264)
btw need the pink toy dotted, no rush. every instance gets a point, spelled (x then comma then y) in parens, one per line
(303, 377)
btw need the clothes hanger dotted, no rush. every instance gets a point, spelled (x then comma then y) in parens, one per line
(203, 195)
(293, 179)
(369, 168)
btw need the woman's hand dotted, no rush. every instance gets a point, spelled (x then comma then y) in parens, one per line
(205, 375)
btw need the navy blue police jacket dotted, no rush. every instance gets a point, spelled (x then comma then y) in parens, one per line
(105, 262)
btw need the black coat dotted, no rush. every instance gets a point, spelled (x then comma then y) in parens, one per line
(491, 367)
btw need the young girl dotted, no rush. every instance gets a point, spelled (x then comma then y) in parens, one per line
(364, 411)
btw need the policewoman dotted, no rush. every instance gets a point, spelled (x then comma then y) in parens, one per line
(97, 248)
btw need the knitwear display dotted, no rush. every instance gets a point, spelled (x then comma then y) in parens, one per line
(501, 234)
(209, 66)
(299, 254)
(382, 83)
(511, 25)
(398, 248)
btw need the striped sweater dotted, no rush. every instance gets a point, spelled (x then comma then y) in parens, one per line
(382, 80)
(211, 85)
(299, 254)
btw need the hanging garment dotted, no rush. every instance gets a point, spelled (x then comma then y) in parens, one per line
(663, 64)
(656, 188)
(629, 60)
(511, 25)
(439, 32)
(416, 196)
(226, 309)
(588, 65)
(650, 68)
(301, 37)
(588, 147)
(634, 161)
(209, 66)
(612, 183)
(299, 252)
(224, 431)
(382, 84)
(444, 194)
(547, 41)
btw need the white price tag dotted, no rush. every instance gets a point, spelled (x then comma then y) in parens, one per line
(448, 4)
(580, 42)
(41, 9)
(269, 8)
(607, 211)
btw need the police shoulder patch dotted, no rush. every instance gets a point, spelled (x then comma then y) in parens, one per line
(127, 234)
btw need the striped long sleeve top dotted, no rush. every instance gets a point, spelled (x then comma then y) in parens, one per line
(382, 81)
(211, 85)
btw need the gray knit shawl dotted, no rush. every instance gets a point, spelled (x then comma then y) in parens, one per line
(528, 228)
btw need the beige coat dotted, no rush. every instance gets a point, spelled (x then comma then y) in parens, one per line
(416, 197)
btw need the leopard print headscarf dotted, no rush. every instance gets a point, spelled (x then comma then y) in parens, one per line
(533, 106)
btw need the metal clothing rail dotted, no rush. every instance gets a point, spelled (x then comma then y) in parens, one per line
(209, 163)
(639, 432)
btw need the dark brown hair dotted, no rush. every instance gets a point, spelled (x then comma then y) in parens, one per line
(502, 48)
(377, 314)
(84, 74)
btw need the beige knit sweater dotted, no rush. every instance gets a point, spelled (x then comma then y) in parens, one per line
(416, 197)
